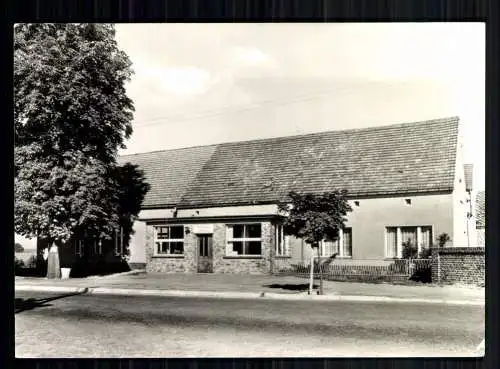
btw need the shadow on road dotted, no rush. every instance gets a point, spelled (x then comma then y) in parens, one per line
(291, 287)
(30, 304)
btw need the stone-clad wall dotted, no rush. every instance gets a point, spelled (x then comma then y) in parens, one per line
(239, 265)
(458, 265)
(170, 264)
(221, 262)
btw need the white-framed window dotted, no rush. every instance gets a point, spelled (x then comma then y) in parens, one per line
(282, 242)
(78, 247)
(342, 246)
(244, 239)
(169, 240)
(395, 237)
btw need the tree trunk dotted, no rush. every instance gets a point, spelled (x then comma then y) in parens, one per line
(320, 270)
(53, 263)
(311, 277)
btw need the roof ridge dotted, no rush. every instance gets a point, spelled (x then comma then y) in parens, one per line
(167, 150)
(366, 129)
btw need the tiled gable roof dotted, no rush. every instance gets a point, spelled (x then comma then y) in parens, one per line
(389, 160)
(169, 172)
(403, 158)
(480, 209)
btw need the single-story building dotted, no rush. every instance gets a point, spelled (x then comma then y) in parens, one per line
(214, 208)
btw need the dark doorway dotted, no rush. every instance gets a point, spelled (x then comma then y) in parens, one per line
(205, 253)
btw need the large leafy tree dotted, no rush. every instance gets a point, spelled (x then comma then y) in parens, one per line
(315, 217)
(72, 115)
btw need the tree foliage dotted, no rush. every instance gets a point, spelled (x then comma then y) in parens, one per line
(69, 89)
(130, 194)
(71, 115)
(18, 247)
(315, 217)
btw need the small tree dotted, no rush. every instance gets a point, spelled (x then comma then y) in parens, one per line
(18, 247)
(315, 217)
(442, 239)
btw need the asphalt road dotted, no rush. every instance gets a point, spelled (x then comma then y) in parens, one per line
(55, 325)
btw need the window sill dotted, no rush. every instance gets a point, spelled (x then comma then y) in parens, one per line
(282, 256)
(169, 256)
(244, 257)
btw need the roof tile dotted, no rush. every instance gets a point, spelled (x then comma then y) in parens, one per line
(396, 159)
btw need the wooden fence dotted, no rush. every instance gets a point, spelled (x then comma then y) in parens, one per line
(398, 270)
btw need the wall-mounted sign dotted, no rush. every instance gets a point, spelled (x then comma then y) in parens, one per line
(203, 228)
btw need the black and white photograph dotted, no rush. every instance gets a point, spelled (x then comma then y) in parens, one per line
(211, 190)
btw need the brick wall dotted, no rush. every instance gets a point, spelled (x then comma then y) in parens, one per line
(463, 265)
(221, 263)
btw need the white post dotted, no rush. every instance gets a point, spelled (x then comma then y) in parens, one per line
(419, 241)
(341, 243)
(311, 277)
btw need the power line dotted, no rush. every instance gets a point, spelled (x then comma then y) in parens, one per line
(228, 110)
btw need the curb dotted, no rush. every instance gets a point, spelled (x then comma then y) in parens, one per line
(241, 295)
(131, 272)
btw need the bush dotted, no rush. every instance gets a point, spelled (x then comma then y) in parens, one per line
(100, 265)
(18, 264)
(35, 267)
(410, 250)
(32, 262)
(425, 253)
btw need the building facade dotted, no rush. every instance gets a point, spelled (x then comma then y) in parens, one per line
(212, 209)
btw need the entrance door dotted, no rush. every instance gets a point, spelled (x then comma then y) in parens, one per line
(205, 258)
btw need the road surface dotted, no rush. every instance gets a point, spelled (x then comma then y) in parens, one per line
(56, 325)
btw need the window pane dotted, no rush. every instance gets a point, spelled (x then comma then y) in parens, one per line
(238, 247)
(202, 246)
(286, 242)
(279, 240)
(426, 233)
(391, 247)
(176, 248)
(253, 231)
(253, 248)
(347, 246)
(162, 247)
(238, 231)
(177, 232)
(162, 232)
(331, 247)
(409, 234)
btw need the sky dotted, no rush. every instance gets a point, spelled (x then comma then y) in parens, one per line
(199, 84)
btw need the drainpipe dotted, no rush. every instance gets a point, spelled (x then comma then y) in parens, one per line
(469, 217)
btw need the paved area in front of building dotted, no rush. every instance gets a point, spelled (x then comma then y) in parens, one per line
(258, 284)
